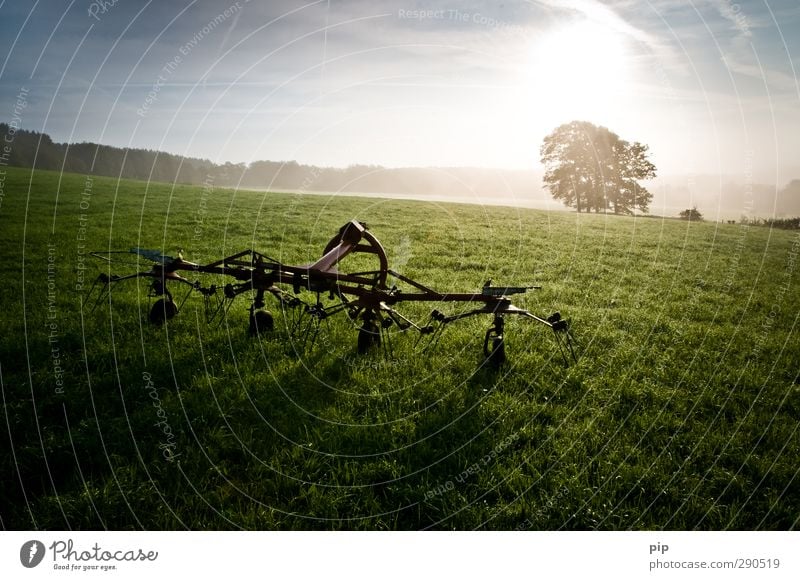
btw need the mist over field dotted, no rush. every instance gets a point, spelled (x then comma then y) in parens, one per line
(718, 197)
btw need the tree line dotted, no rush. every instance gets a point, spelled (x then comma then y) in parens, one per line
(587, 167)
(34, 149)
(38, 150)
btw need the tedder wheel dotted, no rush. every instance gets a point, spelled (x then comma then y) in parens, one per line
(368, 336)
(497, 357)
(260, 321)
(164, 309)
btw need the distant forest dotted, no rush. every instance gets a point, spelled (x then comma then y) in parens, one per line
(31, 148)
(34, 149)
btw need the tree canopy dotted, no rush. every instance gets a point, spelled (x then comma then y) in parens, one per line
(693, 215)
(591, 168)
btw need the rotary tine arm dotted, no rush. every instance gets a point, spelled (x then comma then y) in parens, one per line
(564, 339)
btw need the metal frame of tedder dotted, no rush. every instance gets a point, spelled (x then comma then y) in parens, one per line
(364, 296)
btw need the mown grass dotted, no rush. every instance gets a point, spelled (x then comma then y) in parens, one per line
(682, 412)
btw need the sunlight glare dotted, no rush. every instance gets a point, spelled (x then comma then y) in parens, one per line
(579, 69)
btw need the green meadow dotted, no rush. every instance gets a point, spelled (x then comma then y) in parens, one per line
(681, 413)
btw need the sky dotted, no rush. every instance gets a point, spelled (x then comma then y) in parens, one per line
(710, 85)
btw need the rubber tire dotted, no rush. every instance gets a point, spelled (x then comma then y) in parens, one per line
(260, 321)
(164, 309)
(369, 336)
(497, 356)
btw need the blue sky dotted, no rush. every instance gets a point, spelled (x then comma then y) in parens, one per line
(710, 85)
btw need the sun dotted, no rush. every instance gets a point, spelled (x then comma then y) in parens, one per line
(578, 69)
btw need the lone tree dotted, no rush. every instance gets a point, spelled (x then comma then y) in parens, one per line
(591, 168)
(693, 215)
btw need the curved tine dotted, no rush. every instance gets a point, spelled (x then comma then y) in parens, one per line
(386, 342)
(212, 312)
(436, 335)
(185, 298)
(564, 347)
(297, 314)
(312, 329)
(561, 350)
(105, 291)
(300, 328)
(572, 344)
(317, 323)
(295, 322)
(101, 295)
(225, 310)
(88, 295)
(570, 339)
(421, 334)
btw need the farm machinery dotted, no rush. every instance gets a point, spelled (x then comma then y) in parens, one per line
(365, 296)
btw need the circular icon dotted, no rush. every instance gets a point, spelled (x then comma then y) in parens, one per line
(31, 553)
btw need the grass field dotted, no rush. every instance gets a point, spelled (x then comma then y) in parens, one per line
(682, 412)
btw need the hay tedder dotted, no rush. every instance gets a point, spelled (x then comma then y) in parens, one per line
(365, 296)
